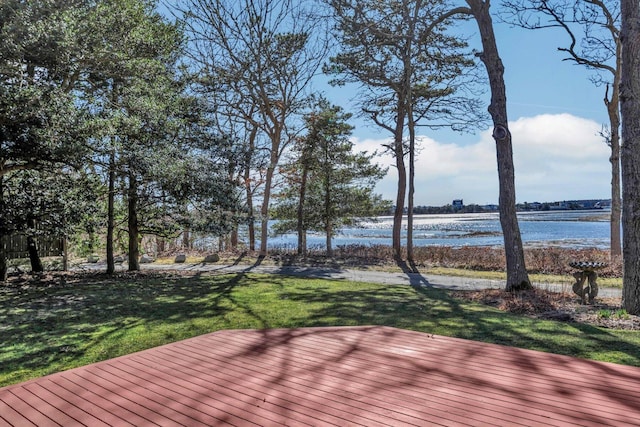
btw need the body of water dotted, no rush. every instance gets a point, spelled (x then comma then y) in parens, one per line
(576, 229)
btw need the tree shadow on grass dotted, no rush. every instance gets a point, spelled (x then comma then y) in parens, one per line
(95, 316)
(54, 325)
(432, 310)
(412, 272)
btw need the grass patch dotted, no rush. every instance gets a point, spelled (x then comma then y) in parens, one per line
(616, 314)
(603, 282)
(548, 265)
(69, 321)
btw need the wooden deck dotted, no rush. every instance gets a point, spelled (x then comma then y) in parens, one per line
(369, 376)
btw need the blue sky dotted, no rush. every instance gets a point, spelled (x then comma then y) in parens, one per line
(555, 114)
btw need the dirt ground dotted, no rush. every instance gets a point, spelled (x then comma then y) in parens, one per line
(605, 312)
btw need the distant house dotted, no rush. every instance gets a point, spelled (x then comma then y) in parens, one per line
(580, 204)
(457, 204)
(602, 204)
(559, 206)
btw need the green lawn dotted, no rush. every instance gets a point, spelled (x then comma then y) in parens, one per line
(55, 326)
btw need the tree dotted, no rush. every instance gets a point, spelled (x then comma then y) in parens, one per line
(45, 205)
(205, 184)
(34, 136)
(146, 119)
(259, 58)
(517, 276)
(41, 126)
(247, 160)
(102, 75)
(412, 73)
(630, 108)
(598, 48)
(329, 185)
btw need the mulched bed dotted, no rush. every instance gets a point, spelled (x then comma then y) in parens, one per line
(605, 312)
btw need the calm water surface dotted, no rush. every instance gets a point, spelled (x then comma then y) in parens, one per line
(575, 229)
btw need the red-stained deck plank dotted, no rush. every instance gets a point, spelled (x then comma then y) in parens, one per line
(9, 414)
(520, 382)
(401, 399)
(369, 376)
(353, 388)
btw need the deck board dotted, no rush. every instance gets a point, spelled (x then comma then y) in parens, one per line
(345, 376)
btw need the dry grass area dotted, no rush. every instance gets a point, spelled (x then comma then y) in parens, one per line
(605, 312)
(549, 260)
(538, 303)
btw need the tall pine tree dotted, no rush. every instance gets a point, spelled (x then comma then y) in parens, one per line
(330, 185)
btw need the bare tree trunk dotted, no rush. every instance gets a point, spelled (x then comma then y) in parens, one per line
(329, 240)
(65, 254)
(300, 228)
(234, 237)
(616, 199)
(517, 277)
(32, 249)
(160, 244)
(274, 157)
(34, 257)
(186, 239)
(134, 246)
(250, 210)
(4, 268)
(412, 174)
(247, 183)
(630, 109)
(399, 210)
(328, 228)
(252, 223)
(613, 110)
(111, 265)
(398, 151)
(411, 21)
(264, 212)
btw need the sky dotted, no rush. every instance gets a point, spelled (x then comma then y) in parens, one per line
(555, 116)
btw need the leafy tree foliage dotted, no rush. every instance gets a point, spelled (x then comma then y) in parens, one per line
(125, 68)
(102, 78)
(329, 185)
(46, 204)
(152, 135)
(41, 127)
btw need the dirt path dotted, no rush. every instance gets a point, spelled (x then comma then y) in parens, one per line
(360, 275)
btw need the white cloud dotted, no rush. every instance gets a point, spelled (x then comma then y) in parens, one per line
(556, 157)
